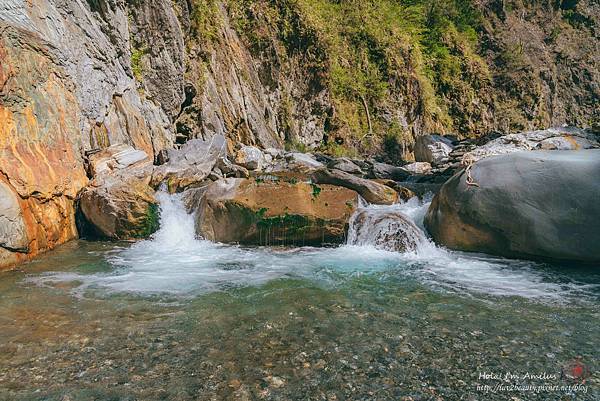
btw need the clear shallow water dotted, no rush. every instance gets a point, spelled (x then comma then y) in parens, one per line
(178, 318)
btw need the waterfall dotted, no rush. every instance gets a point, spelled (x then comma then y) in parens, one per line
(175, 262)
(385, 227)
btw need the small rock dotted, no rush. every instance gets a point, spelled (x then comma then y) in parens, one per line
(346, 165)
(250, 157)
(276, 382)
(433, 149)
(418, 167)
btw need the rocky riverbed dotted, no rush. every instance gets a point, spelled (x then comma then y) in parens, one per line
(96, 321)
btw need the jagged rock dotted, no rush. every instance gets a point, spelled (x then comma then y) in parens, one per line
(388, 172)
(404, 193)
(295, 165)
(13, 234)
(274, 153)
(117, 157)
(40, 138)
(92, 46)
(433, 149)
(371, 191)
(157, 34)
(232, 170)
(384, 229)
(540, 204)
(561, 138)
(346, 165)
(418, 168)
(251, 158)
(269, 213)
(191, 164)
(121, 205)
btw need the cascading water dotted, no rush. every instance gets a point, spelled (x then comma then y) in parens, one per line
(174, 317)
(175, 262)
(384, 227)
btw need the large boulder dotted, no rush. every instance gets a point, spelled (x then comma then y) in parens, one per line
(385, 171)
(371, 191)
(542, 204)
(116, 157)
(121, 207)
(346, 165)
(385, 229)
(434, 149)
(191, 164)
(119, 203)
(418, 167)
(295, 165)
(246, 211)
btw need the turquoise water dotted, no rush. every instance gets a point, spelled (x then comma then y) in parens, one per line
(175, 318)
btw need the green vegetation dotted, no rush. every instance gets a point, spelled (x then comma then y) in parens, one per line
(205, 19)
(136, 63)
(151, 222)
(370, 54)
(316, 190)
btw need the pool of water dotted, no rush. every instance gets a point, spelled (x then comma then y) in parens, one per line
(176, 318)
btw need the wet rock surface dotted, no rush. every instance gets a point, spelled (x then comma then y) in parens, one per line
(259, 212)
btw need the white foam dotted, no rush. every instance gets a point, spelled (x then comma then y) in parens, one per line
(175, 262)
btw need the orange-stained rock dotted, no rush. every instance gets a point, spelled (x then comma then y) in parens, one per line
(40, 142)
(274, 212)
(119, 203)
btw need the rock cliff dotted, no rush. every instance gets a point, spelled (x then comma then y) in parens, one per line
(344, 78)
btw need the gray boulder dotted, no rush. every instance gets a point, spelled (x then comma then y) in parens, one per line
(295, 165)
(418, 168)
(542, 204)
(346, 165)
(191, 164)
(371, 191)
(385, 171)
(434, 149)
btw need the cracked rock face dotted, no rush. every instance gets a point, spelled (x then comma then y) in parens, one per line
(89, 44)
(67, 86)
(12, 226)
(40, 162)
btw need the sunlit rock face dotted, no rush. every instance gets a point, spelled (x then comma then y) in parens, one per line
(68, 86)
(41, 168)
(247, 211)
(541, 204)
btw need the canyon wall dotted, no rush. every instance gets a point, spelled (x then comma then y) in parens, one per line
(344, 78)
